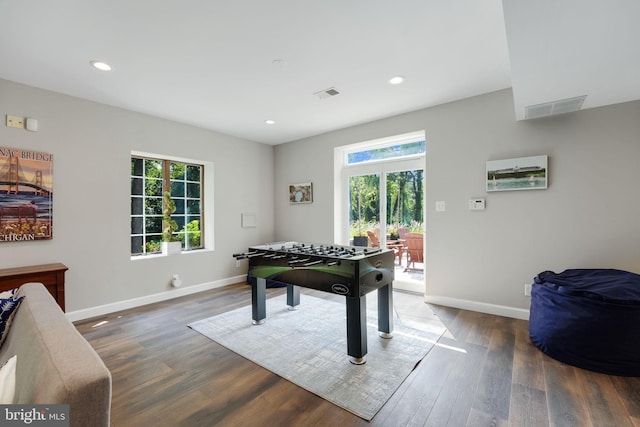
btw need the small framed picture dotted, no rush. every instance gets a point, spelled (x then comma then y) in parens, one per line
(300, 193)
(524, 173)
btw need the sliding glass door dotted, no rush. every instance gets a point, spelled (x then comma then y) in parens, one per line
(386, 209)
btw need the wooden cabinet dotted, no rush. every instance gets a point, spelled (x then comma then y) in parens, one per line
(50, 275)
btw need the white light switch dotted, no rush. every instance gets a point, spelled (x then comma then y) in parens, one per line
(441, 206)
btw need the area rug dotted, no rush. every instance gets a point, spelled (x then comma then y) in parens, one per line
(308, 347)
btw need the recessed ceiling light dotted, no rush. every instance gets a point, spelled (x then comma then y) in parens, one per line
(396, 80)
(103, 66)
(282, 63)
(270, 122)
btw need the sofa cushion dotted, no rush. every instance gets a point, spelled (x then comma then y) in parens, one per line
(8, 307)
(8, 381)
(9, 293)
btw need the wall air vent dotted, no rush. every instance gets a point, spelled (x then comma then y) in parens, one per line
(327, 93)
(554, 108)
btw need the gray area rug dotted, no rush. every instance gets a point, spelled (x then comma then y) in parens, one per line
(308, 347)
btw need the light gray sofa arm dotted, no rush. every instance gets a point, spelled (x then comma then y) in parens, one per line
(55, 364)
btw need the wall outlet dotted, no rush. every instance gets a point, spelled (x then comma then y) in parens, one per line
(175, 281)
(15, 122)
(237, 263)
(527, 289)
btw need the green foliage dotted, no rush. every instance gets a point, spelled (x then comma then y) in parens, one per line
(392, 231)
(417, 191)
(153, 168)
(153, 187)
(153, 247)
(192, 231)
(365, 204)
(176, 171)
(404, 197)
(404, 202)
(357, 228)
(170, 226)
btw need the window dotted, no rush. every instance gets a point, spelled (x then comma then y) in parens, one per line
(393, 151)
(150, 178)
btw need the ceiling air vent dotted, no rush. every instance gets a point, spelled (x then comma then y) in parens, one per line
(562, 106)
(327, 93)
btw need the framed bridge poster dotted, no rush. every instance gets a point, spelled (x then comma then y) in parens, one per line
(26, 195)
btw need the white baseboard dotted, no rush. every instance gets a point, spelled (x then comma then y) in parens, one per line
(482, 307)
(101, 310)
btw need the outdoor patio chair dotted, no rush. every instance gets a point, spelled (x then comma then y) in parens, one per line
(414, 246)
(397, 246)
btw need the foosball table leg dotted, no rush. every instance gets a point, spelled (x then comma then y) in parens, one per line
(259, 301)
(357, 329)
(385, 311)
(293, 297)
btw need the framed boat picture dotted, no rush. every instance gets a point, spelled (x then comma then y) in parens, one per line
(26, 195)
(524, 173)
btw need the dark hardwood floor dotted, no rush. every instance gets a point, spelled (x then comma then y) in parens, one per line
(483, 372)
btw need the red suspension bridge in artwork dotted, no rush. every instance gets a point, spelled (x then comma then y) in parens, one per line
(13, 177)
(26, 195)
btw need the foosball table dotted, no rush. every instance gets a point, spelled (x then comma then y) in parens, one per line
(350, 271)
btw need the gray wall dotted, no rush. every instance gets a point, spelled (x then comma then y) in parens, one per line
(587, 218)
(91, 144)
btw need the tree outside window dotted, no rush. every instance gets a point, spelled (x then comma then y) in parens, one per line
(149, 179)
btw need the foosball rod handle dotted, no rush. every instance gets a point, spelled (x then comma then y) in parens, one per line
(247, 255)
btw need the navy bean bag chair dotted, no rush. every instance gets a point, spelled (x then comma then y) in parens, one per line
(589, 318)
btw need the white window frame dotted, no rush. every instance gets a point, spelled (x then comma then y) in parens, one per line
(207, 199)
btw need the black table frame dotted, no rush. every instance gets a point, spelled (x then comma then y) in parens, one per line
(356, 315)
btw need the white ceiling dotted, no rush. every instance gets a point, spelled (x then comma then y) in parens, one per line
(211, 63)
